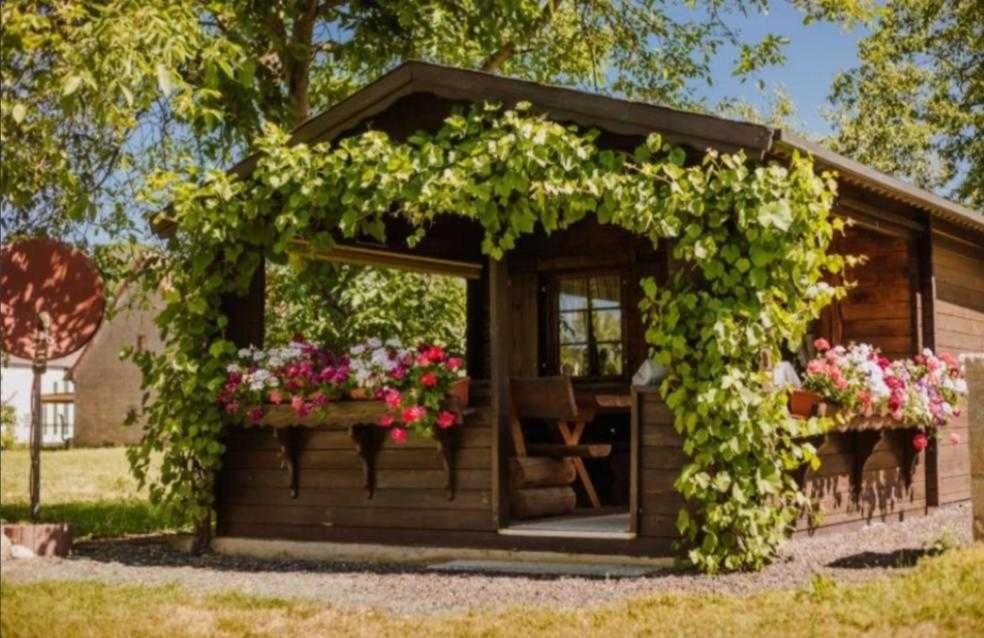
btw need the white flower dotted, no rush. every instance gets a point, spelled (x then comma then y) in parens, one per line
(233, 367)
(394, 343)
(374, 343)
(357, 350)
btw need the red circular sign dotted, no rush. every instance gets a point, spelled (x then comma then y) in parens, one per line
(44, 275)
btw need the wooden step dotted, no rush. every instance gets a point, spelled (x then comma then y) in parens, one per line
(559, 450)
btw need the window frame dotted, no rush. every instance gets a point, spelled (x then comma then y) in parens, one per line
(550, 329)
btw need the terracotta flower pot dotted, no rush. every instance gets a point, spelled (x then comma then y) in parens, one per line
(803, 402)
(459, 390)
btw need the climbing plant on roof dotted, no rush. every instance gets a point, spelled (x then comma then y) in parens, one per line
(750, 242)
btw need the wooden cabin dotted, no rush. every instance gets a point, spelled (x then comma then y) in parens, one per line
(603, 456)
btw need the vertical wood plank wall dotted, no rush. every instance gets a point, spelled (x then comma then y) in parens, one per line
(880, 310)
(958, 270)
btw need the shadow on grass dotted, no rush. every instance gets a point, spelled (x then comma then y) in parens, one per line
(95, 519)
(900, 558)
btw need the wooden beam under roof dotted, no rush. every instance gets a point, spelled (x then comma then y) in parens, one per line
(372, 256)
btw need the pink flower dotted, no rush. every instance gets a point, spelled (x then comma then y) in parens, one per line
(255, 414)
(299, 406)
(413, 414)
(320, 399)
(455, 363)
(821, 344)
(275, 397)
(428, 379)
(919, 442)
(398, 373)
(386, 420)
(815, 366)
(445, 419)
(399, 435)
(232, 407)
(954, 438)
(392, 398)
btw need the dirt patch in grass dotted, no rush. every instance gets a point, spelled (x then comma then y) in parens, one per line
(941, 596)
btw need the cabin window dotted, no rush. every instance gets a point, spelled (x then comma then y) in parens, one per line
(589, 332)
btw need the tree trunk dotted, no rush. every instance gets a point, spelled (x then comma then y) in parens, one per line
(203, 536)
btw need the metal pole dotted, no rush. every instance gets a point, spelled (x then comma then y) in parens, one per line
(40, 364)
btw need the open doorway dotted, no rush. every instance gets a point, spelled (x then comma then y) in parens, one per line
(571, 471)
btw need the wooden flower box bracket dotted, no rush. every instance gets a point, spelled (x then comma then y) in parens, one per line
(359, 418)
(865, 433)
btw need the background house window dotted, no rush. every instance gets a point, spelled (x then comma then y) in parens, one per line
(589, 326)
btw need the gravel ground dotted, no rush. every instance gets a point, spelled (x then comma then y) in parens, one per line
(848, 557)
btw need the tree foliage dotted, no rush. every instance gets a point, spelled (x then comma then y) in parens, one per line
(337, 305)
(751, 241)
(915, 105)
(96, 96)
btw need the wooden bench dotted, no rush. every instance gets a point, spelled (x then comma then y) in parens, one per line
(552, 399)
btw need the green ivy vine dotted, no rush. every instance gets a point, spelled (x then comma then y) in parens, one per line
(750, 241)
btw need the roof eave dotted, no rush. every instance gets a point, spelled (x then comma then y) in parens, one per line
(873, 180)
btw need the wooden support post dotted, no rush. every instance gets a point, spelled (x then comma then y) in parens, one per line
(499, 339)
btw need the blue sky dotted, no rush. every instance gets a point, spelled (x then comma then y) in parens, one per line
(814, 56)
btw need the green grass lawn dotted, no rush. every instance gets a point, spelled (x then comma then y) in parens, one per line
(942, 596)
(90, 488)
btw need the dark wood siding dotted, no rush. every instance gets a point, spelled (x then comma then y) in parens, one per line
(661, 458)
(409, 494)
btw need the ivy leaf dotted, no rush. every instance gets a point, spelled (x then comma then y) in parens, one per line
(776, 214)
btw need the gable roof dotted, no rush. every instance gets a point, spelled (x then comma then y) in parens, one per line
(617, 115)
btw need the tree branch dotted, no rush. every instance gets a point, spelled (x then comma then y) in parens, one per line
(508, 49)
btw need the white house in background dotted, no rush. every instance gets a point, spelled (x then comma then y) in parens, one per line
(58, 410)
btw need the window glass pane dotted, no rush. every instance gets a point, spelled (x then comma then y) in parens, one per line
(607, 325)
(609, 359)
(573, 294)
(605, 292)
(574, 327)
(574, 361)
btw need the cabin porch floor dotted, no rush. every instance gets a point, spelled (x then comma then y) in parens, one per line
(583, 523)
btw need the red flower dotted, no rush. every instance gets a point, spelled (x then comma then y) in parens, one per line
(275, 397)
(919, 442)
(386, 420)
(428, 379)
(413, 414)
(399, 435)
(435, 354)
(255, 415)
(445, 419)
(393, 398)
(455, 362)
